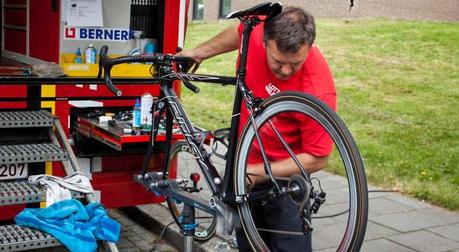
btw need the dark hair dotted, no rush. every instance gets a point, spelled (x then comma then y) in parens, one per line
(290, 29)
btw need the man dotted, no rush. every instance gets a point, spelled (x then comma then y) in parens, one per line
(281, 57)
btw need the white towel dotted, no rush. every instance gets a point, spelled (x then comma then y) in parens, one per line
(58, 188)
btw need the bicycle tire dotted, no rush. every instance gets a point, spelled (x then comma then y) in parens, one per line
(295, 102)
(181, 164)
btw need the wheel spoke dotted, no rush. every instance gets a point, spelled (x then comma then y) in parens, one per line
(284, 126)
(181, 166)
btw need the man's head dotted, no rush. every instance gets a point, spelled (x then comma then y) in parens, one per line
(288, 37)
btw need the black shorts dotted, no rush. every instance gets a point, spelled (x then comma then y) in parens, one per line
(280, 214)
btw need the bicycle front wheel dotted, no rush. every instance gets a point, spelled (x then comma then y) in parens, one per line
(340, 223)
(182, 164)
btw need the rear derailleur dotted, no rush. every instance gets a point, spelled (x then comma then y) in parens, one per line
(309, 199)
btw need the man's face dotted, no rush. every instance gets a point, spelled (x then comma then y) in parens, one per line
(285, 65)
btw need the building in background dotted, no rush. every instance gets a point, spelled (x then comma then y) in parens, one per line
(433, 10)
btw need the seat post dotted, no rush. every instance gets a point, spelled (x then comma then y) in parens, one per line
(249, 24)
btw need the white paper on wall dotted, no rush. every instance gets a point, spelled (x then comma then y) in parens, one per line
(84, 13)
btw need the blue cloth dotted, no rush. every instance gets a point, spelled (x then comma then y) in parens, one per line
(74, 225)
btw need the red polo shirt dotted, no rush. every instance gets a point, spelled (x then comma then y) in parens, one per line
(314, 78)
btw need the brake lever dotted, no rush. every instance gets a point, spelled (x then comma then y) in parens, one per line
(102, 62)
(102, 56)
(191, 87)
(185, 67)
(112, 87)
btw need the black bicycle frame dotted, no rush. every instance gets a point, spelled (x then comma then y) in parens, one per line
(222, 189)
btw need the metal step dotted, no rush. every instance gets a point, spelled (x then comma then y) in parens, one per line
(31, 153)
(12, 193)
(21, 192)
(25, 119)
(17, 238)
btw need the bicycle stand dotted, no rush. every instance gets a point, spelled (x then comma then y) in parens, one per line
(188, 226)
(155, 182)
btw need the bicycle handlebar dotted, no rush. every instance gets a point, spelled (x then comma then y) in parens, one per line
(107, 63)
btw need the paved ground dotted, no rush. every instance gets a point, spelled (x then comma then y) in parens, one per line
(396, 223)
(135, 237)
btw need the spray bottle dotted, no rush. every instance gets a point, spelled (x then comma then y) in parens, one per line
(78, 56)
(136, 115)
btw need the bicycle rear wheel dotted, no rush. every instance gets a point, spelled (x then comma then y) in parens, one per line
(343, 193)
(182, 164)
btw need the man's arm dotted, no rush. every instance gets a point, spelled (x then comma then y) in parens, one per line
(225, 41)
(287, 167)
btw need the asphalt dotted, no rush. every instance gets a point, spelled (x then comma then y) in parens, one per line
(396, 222)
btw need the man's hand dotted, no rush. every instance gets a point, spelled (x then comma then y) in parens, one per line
(284, 168)
(255, 175)
(191, 54)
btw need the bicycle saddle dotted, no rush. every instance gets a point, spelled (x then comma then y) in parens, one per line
(264, 9)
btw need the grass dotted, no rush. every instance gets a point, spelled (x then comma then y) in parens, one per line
(398, 92)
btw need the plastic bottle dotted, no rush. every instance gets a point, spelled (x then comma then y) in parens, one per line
(78, 56)
(90, 54)
(136, 115)
(148, 50)
(146, 103)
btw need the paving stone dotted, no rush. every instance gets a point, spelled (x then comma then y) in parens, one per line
(333, 182)
(413, 203)
(144, 245)
(374, 195)
(321, 174)
(124, 243)
(378, 192)
(333, 209)
(142, 232)
(329, 236)
(327, 250)
(335, 196)
(383, 245)
(448, 231)
(133, 249)
(375, 231)
(136, 238)
(385, 206)
(404, 222)
(213, 244)
(439, 216)
(324, 221)
(425, 241)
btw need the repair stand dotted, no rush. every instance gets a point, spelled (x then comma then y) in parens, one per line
(188, 227)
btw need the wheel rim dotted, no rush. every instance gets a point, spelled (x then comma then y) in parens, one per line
(355, 224)
(182, 157)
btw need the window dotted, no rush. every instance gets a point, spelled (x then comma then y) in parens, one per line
(198, 9)
(225, 8)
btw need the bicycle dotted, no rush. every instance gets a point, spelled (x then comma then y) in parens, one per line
(233, 190)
